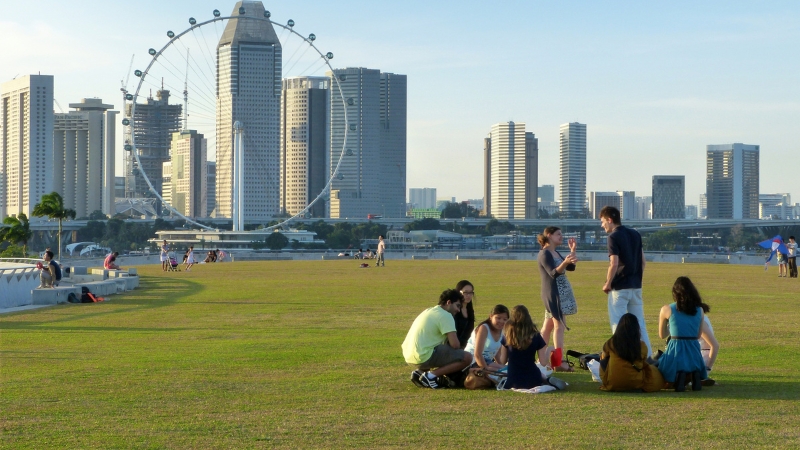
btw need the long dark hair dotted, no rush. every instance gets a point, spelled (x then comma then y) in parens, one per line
(470, 308)
(498, 309)
(627, 338)
(686, 296)
(520, 329)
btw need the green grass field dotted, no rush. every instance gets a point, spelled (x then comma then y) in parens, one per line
(307, 355)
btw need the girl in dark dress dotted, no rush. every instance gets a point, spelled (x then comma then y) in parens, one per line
(521, 342)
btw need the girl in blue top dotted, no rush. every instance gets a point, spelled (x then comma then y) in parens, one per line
(682, 322)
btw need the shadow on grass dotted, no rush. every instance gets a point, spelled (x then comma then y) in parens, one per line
(154, 292)
(738, 389)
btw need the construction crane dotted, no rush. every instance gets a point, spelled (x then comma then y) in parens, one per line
(186, 95)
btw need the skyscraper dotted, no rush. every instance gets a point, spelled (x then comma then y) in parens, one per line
(83, 157)
(393, 122)
(188, 174)
(422, 198)
(512, 156)
(153, 124)
(624, 201)
(26, 143)
(371, 177)
(249, 91)
(304, 149)
(547, 193)
(732, 181)
(572, 174)
(669, 196)
(702, 207)
(211, 185)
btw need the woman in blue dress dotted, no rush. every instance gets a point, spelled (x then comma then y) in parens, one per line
(682, 323)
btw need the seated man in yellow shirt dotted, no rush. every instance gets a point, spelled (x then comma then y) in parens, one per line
(431, 344)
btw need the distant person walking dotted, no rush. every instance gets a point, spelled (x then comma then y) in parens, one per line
(792, 246)
(165, 256)
(189, 259)
(381, 249)
(625, 269)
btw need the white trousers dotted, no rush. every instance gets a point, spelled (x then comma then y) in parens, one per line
(628, 301)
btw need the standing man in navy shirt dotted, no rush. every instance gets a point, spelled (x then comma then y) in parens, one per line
(626, 266)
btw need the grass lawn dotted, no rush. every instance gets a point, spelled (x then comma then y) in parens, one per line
(306, 354)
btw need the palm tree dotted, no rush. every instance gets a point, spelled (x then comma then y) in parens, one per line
(52, 206)
(18, 231)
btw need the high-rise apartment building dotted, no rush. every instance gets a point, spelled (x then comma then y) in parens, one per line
(371, 176)
(702, 207)
(393, 146)
(669, 196)
(187, 172)
(304, 143)
(572, 162)
(732, 181)
(644, 206)
(211, 185)
(624, 201)
(154, 122)
(26, 143)
(511, 175)
(249, 91)
(775, 206)
(547, 193)
(83, 157)
(422, 198)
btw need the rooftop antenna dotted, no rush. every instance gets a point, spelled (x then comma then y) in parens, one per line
(186, 95)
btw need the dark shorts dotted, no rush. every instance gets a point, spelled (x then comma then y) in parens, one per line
(442, 355)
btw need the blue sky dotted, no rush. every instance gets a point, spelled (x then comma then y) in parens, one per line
(654, 81)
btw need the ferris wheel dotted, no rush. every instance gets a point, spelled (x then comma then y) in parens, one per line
(228, 73)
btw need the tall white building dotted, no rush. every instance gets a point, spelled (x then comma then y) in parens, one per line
(304, 144)
(371, 177)
(624, 201)
(732, 181)
(572, 163)
(83, 157)
(26, 143)
(643, 206)
(775, 206)
(211, 188)
(249, 91)
(702, 207)
(422, 198)
(187, 173)
(512, 172)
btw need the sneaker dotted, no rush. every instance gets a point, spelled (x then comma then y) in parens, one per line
(415, 378)
(427, 382)
(557, 383)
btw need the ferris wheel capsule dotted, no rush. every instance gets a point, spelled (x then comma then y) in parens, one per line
(138, 73)
(267, 14)
(312, 37)
(128, 147)
(329, 55)
(217, 13)
(170, 34)
(152, 52)
(128, 96)
(241, 10)
(192, 21)
(126, 122)
(290, 23)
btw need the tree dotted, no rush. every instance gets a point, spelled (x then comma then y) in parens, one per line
(97, 215)
(18, 231)
(423, 224)
(277, 241)
(665, 240)
(52, 206)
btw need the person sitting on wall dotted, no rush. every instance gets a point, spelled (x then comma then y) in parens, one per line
(111, 261)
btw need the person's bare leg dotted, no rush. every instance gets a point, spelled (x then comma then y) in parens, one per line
(558, 339)
(547, 329)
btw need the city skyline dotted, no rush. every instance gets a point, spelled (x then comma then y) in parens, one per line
(646, 79)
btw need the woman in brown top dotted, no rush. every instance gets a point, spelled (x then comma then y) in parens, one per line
(623, 363)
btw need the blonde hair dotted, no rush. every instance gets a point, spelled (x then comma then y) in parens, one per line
(519, 329)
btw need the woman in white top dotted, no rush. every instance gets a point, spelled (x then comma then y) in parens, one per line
(164, 256)
(485, 339)
(189, 259)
